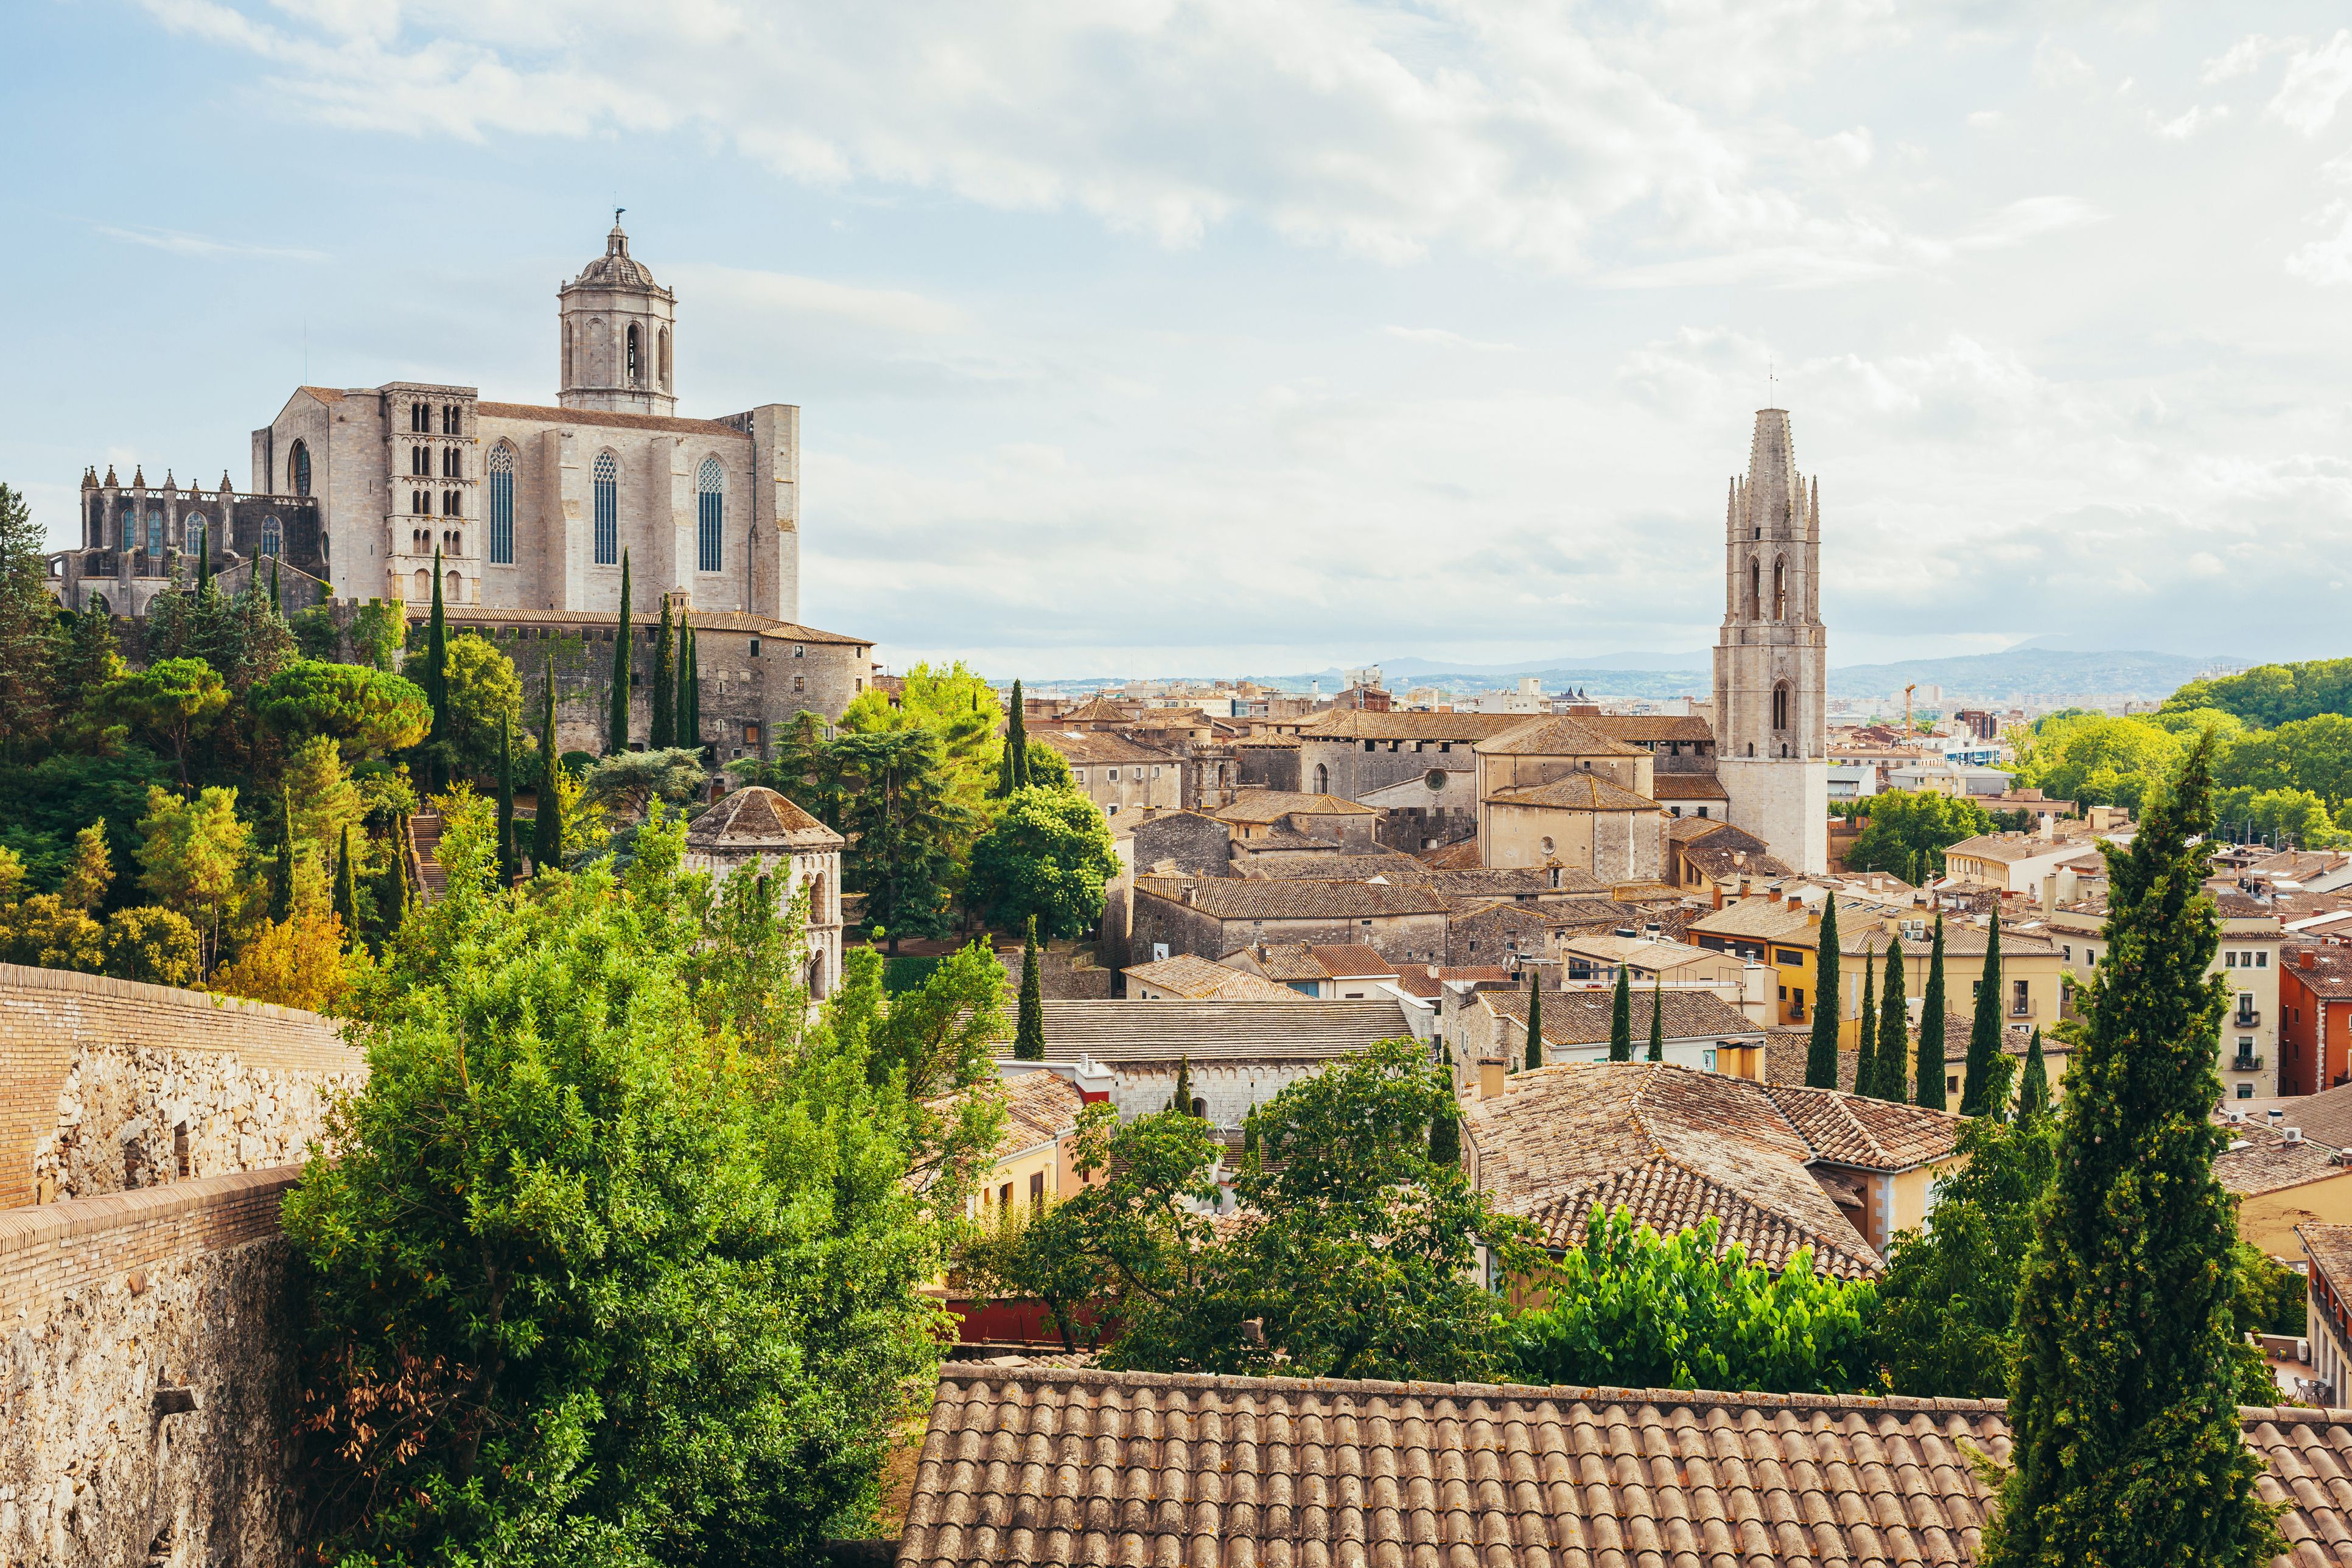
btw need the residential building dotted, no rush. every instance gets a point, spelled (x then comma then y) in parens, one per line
(2327, 1308)
(1186, 978)
(2281, 1180)
(2315, 1012)
(2015, 862)
(1555, 791)
(1257, 812)
(1436, 807)
(1703, 1032)
(1352, 753)
(2255, 1054)
(1117, 774)
(1212, 916)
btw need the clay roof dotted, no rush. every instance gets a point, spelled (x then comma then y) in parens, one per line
(1198, 979)
(1461, 856)
(1038, 1107)
(1515, 881)
(1397, 868)
(1962, 938)
(2330, 1247)
(701, 620)
(1283, 961)
(1356, 724)
(2327, 972)
(2269, 1163)
(1255, 899)
(1273, 805)
(1578, 1019)
(1306, 1029)
(1344, 959)
(1574, 792)
(1282, 836)
(1099, 709)
(538, 413)
(1557, 736)
(2006, 848)
(1724, 862)
(1690, 827)
(1760, 920)
(1687, 787)
(323, 394)
(1645, 728)
(2324, 1118)
(757, 818)
(1067, 1465)
(1081, 748)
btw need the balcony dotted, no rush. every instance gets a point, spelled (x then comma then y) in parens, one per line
(2244, 1063)
(2245, 1020)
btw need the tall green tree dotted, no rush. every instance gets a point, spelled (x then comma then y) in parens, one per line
(1930, 1063)
(1049, 854)
(689, 686)
(663, 704)
(1657, 1021)
(1821, 1050)
(1444, 1126)
(905, 818)
(1894, 1027)
(2124, 1408)
(2033, 1088)
(1180, 1099)
(1029, 1037)
(1984, 1028)
(366, 711)
(510, 853)
(436, 685)
(177, 700)
(1909, 830)
(25, 614)
(392, 899)
(1535, 1048)
(1621, 1019)
(546, 825)
(347, 892)
(617, 715)
(1865, 1060)
(1015, 767)
(281, 879)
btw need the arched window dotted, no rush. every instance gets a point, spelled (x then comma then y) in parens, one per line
(416, 459)
(635, 377)
(423, 586)
(567, 353)
(298, 469)
(710, 509)
(448, 503)
(273, 538)
(456, 589)
(1780, 706)
(608, 509)
(418, 505)
(193, 532)
(1755, 581)
(1781, 590)
(155, 533)
(664, 359)
(502, 489)
(1322, 779)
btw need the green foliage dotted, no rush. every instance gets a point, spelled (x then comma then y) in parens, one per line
(2272, 1297)
(48, 802)
(27, 612)
(618, 1260)
(1444, 1127)
(906, 817)
(2272, 694)
(1984, 1030)
(175, 701)
(347, 898)
(2282, 816)
(1013, 757)
(366, 713)
(1620, 1018)
(2122, 1407)
(1535, 1048)
(1029, 1037)
(378, 631)
(1657, 1021)
(616, 710)
(1634, 1309)
(192, 858)
(1048, 854)
(158, 945)
(1865, 1060)
(622, 783)
(1047, 768)
(1929, 1066)
(1822, 1050)
(547, 827)
(1894, 1030)
(481, 708)
(662, 703)
(690, 688)
(316, 636)
(1911, 828)
(906, 973)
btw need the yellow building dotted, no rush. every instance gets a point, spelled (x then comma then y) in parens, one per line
(2281, 1182)
(1779, 932)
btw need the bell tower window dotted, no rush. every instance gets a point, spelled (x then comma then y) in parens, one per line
(1755, 585)
(608, 509)
(1779, 590)
(1780, 706)
(636, 377)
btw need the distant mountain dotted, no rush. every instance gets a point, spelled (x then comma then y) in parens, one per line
(2020, 671)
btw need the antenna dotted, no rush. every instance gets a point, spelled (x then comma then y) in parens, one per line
(1771, 386)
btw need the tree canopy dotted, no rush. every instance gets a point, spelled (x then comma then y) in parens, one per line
(368, 712)
(1049, 854)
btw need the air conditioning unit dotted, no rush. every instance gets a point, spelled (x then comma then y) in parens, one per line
(2292, 1135)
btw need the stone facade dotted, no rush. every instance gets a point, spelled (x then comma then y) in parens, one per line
(762, 831)
(1191, 844)
(1403, 925)
(1352, 753)
(137, 540)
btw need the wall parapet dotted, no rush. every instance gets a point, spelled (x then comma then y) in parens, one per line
(208, 1213)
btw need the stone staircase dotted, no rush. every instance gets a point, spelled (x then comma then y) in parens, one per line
(424, 869)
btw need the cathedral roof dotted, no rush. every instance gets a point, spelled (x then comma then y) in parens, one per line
(758, 818)
(617, 268)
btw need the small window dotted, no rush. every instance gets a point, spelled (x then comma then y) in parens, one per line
(2262, 961)
(2245, 1091)
(800, 650)
(800, 683)
(1114, 776)
(2228, 961)
(755, 647)
(750, 734)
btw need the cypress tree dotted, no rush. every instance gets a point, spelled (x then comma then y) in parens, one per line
(1016, 745)
(1535, 1051)
(2123, 1402)
(1249, 1129)
(1657, 1021)
(1183, 1099)
(663, 705)
(204, 561)
(1931, 1027)
(1621, 1019)
(547, 830)
(1822, 1053)
(1444, 1127)
(690, 688)
(393, 907)
(437, 683)
(1984, 1028)
(1894, 1027)
(274, 608)
(281, 885)
(1029, 1037)
(2033, 1090)
(1865, 1044)
(347, 893)
(510, 858)
(616, 717)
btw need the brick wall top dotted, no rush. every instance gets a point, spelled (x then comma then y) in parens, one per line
(20, 977)
(107, 1242)
(96, 1009)
(45, 1224)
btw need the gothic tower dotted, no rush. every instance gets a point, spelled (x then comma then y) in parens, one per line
(618, 327)
(1771, 660)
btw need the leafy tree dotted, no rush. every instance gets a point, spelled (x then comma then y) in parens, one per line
(1038, 1255)
(1910, 828)
(1621, 1019)
(1866, 1061)
(366, 711)
(83, 661)
(347, 898)
(1049, 854)
(1930, 1064)
(281, 880)
(173, 700)
(1180, 1099)
(481, 708)
(25, 614)
(45, 930)
(547, 824)
(298, 961)
(2272, 1297)
(2123, 1408)
(1047, 768)
(624, 783)
(2281, 816)
(2272, 694)
(1821, 1051)
(1535, 1054)
(324, 801)
(48, 802)
(392, 904)
(1947, 1310)
(1029, 1039)
(1444, 1127)
(1984, 1028)
(1657, 1021)
(90, 871)
(154, 944)
(616, 714)
(662, 705)
(316, 636)
(2310, 755)
(1633, 1310)
(379, 628)
(192, 856)
(1893, 1029)
(809, 769)
(265, 642)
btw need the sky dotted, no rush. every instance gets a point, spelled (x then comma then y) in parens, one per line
(1258, 336)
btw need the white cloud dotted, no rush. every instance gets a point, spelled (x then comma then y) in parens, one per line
(2181, 127)
(2245, 57)
(2025, 220)
(204, 245)
(2316, 80)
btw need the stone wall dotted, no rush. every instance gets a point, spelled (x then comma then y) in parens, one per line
(108, 1084)
(119, 1313)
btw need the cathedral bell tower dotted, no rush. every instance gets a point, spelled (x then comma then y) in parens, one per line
(617, 335)
(1771, 659)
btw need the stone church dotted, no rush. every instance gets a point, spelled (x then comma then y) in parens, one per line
(533, 509)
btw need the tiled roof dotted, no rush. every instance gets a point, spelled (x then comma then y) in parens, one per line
(1962, 938)
(1038, 1107)
(1557, 736)
(2324, 1117)
(1668, 1196)
(1685, 829)
(1573, 792)
(2327, 971)
(1139, 1032)
(1355, 724)
(1867, 1133)
(755, 819)
(2006, 848)
(1283, 961)
(1099, 709)
(1389, 863)
(1641, 729)
(2269, 1163)
(323, 394)
(1724, 863)
(1274, 805)
(1578, 1019)
(1461, 856)
(1252, 899)
(539, 414)
(2330, 1247)
(1037, 1465)
(1351, 959)
(1687, 787)
(1199, 980)
(701, 620)
(1082, 748)
(1283, 838)
(1759, 920)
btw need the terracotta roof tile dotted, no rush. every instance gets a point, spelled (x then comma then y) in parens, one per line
(1067, 1466)
(1252, 899)
(1687, 787)
(1200, 980)
(1351, 958)
(2330, 1247)
(1556, 736)
(1641, 729)
(538, 413)
(1356, 724)
(1274, 805)
(1577, 1019)
(2268, 1164)
(1084, 748)
(1572, 791)
(755, 819)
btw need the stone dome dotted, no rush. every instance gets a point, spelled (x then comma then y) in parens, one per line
(617, 268)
